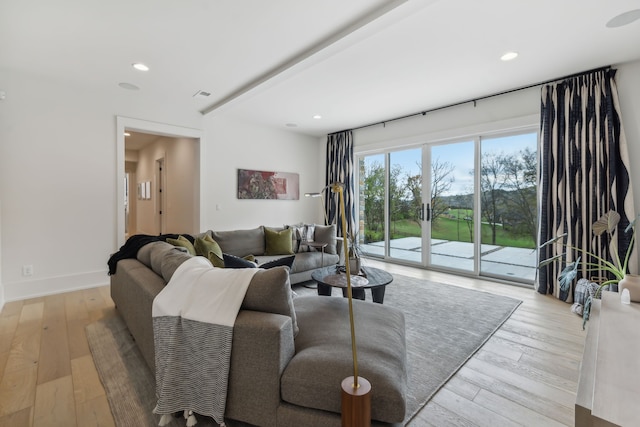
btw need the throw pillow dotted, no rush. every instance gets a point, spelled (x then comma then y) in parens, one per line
(270, 292)
(184, 242)
(278, 242)
(296, 236)
(326, 234)
(286, 261)
(232, 261)
(307, 236)
(215, 259)
(206, 244)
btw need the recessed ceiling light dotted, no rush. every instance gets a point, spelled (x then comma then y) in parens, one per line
(317, 117)
(140, 66)
(509, 56)
(291, 125)
(129, 86)
(624, 19)
(127, 134)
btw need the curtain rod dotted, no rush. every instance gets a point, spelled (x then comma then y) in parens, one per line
(474, 100)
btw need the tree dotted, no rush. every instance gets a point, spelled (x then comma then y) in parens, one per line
(441, 181)
(374, 179)
(521, 183)
(492, 181)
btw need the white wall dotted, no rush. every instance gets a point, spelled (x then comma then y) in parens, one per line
(232, 144)
(58, 179)
(1, 285)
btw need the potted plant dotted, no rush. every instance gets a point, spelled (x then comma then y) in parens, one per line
(617, 267)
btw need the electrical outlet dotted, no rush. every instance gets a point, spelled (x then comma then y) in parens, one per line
(27, 270)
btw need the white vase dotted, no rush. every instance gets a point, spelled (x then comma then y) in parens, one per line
(632, 283)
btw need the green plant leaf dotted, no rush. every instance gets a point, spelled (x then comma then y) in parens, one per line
(631, 225)
(568, 274)
(552, 241)
(606, 222)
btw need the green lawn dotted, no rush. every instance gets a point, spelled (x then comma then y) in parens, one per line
(447, 228)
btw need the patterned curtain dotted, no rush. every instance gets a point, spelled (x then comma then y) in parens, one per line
(584, 173)
(340, 169)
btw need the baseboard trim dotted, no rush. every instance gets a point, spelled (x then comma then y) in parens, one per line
(54, 285)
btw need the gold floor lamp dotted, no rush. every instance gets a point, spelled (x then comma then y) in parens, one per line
(356, 391)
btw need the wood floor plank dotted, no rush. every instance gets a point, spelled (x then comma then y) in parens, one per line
(499, 347)
(18, 390)
(11, 308)
(536, 329)
(94, 413)
(514, 411)
(525, 397)
(76, 333)
(569, 350)
(528, 371)
(462, 388)
(25, 348)
(23, 418)
(31, 314)
(75, 306)
(54, 405)
(86, 382)
(434, 415)
(9, 323)
(470, 410)
(563, 397)
(54, 341)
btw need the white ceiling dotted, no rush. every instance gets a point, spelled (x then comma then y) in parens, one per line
(275, 62)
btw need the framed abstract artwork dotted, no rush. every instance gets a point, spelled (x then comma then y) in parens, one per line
(253, 184)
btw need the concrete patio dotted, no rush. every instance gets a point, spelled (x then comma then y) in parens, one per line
(504, 261)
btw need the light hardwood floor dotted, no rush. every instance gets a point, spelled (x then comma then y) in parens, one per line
(526, 374)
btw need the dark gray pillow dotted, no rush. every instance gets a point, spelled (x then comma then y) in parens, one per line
(286, 262)
(232, 261)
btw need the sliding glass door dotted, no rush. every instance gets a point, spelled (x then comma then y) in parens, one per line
(467, 205)
(450, 214)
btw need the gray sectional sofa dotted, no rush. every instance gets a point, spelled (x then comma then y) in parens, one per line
(253, 242)
(289, 355)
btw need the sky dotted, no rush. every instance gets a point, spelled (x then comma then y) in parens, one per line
(460, 155)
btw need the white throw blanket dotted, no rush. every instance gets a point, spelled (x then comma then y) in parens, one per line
(193, 318)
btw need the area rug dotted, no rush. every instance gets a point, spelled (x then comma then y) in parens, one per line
(445, 326)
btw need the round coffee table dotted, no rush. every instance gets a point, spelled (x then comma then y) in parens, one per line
(377, 281)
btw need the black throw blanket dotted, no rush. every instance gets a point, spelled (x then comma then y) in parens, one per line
(134, 243)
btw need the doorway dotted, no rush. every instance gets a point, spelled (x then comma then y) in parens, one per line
(191, 138)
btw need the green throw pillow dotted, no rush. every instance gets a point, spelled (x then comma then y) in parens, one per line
(184, 242)
(278, 242)
(209, 248)
(206, 244)
(216, 259)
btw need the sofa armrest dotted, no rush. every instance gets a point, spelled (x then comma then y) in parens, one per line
(262, 348)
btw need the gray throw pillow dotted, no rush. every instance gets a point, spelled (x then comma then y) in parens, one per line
(326, 234)
(270, 291)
